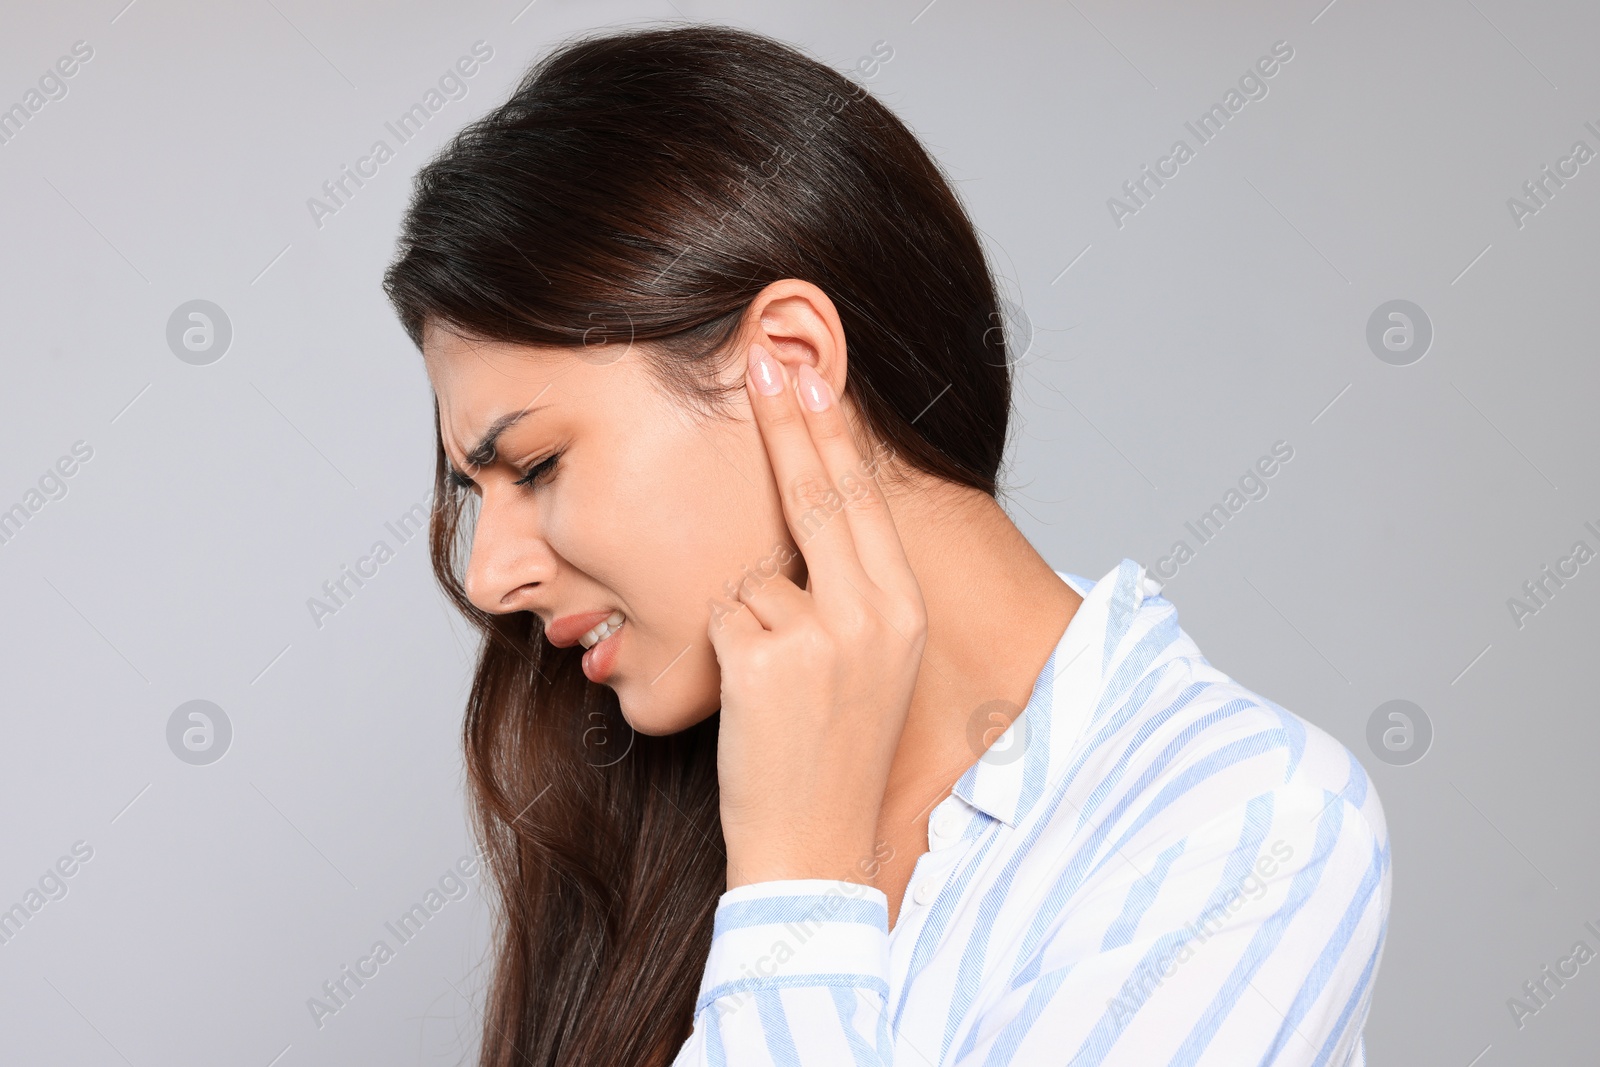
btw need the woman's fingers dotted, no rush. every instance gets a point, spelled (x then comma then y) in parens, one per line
(872, 529)
(774, 601)
(811, 502)
(728, 623)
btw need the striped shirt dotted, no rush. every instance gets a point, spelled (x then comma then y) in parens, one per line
(1151, 865)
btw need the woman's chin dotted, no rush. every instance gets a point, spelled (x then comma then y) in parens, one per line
(656, 718)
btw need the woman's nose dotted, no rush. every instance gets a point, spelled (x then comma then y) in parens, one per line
(509, 560)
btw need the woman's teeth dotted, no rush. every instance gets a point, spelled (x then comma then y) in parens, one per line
(612, 624)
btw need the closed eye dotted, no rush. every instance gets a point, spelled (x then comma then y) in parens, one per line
(539, 470)
(534, 475)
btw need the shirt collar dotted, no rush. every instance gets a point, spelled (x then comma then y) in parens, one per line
(1011, 775)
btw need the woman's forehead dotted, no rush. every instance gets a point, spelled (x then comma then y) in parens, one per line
(464, 365)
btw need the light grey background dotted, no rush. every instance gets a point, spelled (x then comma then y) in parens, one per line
(1168, 354)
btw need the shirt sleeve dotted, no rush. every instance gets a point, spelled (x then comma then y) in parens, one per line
(1251, 939)
(797, 976)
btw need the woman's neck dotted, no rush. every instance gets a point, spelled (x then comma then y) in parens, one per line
(995, 610)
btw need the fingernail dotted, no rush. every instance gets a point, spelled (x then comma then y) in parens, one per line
(764, 371)
(813, 389)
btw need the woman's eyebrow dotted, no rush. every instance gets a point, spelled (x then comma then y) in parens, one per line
(483, 451)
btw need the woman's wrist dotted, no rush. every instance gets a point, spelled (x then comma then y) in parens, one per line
(832, 863)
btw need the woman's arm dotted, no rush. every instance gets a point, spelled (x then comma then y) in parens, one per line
(816, 683)
(798, 975)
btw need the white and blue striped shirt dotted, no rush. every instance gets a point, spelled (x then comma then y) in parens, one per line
(1152, 865)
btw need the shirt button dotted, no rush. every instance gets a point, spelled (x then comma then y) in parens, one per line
(923, 893)
(948, 823)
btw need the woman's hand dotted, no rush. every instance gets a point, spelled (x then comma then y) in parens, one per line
(816, 682)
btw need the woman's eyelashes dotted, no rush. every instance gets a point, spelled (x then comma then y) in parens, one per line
(534, 475)
(539, 470)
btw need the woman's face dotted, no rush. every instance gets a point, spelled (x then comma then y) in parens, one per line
(650, 510)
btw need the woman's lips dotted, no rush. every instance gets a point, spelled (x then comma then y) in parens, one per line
(599, 660)
(565, 631)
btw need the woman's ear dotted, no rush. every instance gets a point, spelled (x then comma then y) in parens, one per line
(796, 322)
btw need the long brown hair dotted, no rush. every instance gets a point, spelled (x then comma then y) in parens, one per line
(642, 187)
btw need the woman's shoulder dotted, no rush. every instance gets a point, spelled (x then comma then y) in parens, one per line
(1217, 746)
(1160, 741)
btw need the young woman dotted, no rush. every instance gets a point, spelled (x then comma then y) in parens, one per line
(785, 746)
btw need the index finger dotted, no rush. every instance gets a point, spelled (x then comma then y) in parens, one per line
(810, 500)
(868, 532)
